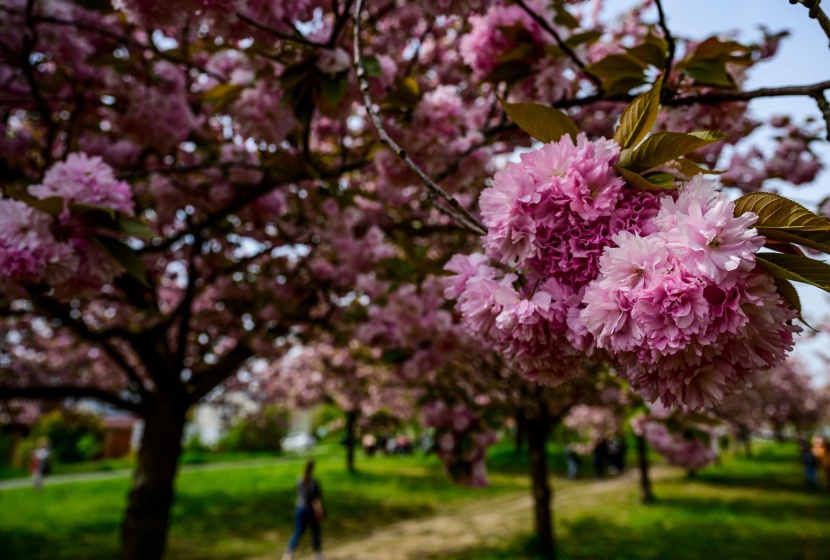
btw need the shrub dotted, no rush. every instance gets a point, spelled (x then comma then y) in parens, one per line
(74, 435)
(261, 431)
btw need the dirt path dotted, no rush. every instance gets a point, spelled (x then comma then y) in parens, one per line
(478, 524)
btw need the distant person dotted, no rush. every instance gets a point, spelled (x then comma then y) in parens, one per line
(810, 463)
(824, 460)
(309, 513)
(40, 464)
(600, 457)
(369, 444)
(573, 461)
(615, 452)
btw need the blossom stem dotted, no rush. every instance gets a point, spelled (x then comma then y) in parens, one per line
(669, 41)
(454, 209)
(816, 13)
(560, 43)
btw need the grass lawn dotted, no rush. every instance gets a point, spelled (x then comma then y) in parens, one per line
(756, 508)
(228, 514)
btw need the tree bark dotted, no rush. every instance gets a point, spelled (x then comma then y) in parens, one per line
(351, 439)
(746, 438)
(520, 435)
(646, 495)
(537, 430)
(144, 532)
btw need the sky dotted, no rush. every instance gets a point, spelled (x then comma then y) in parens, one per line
(803, 58)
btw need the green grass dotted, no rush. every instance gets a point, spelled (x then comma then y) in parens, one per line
(230, 513)
(755, 508)
(747, 508)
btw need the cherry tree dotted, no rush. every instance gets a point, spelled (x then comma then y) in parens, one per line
(193, 186)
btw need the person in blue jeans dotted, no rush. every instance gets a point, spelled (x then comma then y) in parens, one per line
(308, 513)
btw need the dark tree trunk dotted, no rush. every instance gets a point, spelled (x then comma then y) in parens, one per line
(646, 495)
(538, 428)
(351, 439)
(144, 532)
(521, 434)
(745, 438)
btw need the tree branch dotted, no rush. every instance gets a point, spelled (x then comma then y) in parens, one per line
(296, 38)
(559, 42)
(128, 41)
(454, 209)
(186, 306)
(824, 107)
(670, 41)
(206, 380)
(51, 392)
(102, 339)
(816, 13)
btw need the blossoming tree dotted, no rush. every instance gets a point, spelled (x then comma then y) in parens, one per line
(191, 185)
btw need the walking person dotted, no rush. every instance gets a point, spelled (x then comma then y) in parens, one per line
(810, 463)
(308, 513)
(39, 465)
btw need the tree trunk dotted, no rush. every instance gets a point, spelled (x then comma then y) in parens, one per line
(520, 435)
(646, 495)
(537, 430)
(144, 532)
(351, 439)
(746, 438)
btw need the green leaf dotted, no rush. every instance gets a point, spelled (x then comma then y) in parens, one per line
(711, 73)
(582, 38)
(92, 210)
(333, 88)
(776, 211)
(665, 180)
(509, 72)
(714, 49)
(406, 95)
(639, 117)
(222, 95)
(564, 18)
(52, 205)
(622, 84)
(395, 356)
(790, 295)
(372, 66)
(690, 168)
(544, 123)
(639, 182)
(661, 147)
(616, 65)
(796, 268)
(133, 227)
(818, 240)
(127, 257)
(653, 51)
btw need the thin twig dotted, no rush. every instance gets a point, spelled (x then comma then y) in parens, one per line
(705, 98)
(669, 41)
(559, 42)
(816, 13)
(455, 210)
(297, 37)
(824, 107)
(125, 40)
(30, 39)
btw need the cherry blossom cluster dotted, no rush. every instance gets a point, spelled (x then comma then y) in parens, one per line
(792, 160)
(39, 248)
(684, 310)
(549, 216)
(461, 440)
(592, 423)
(689, 445)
